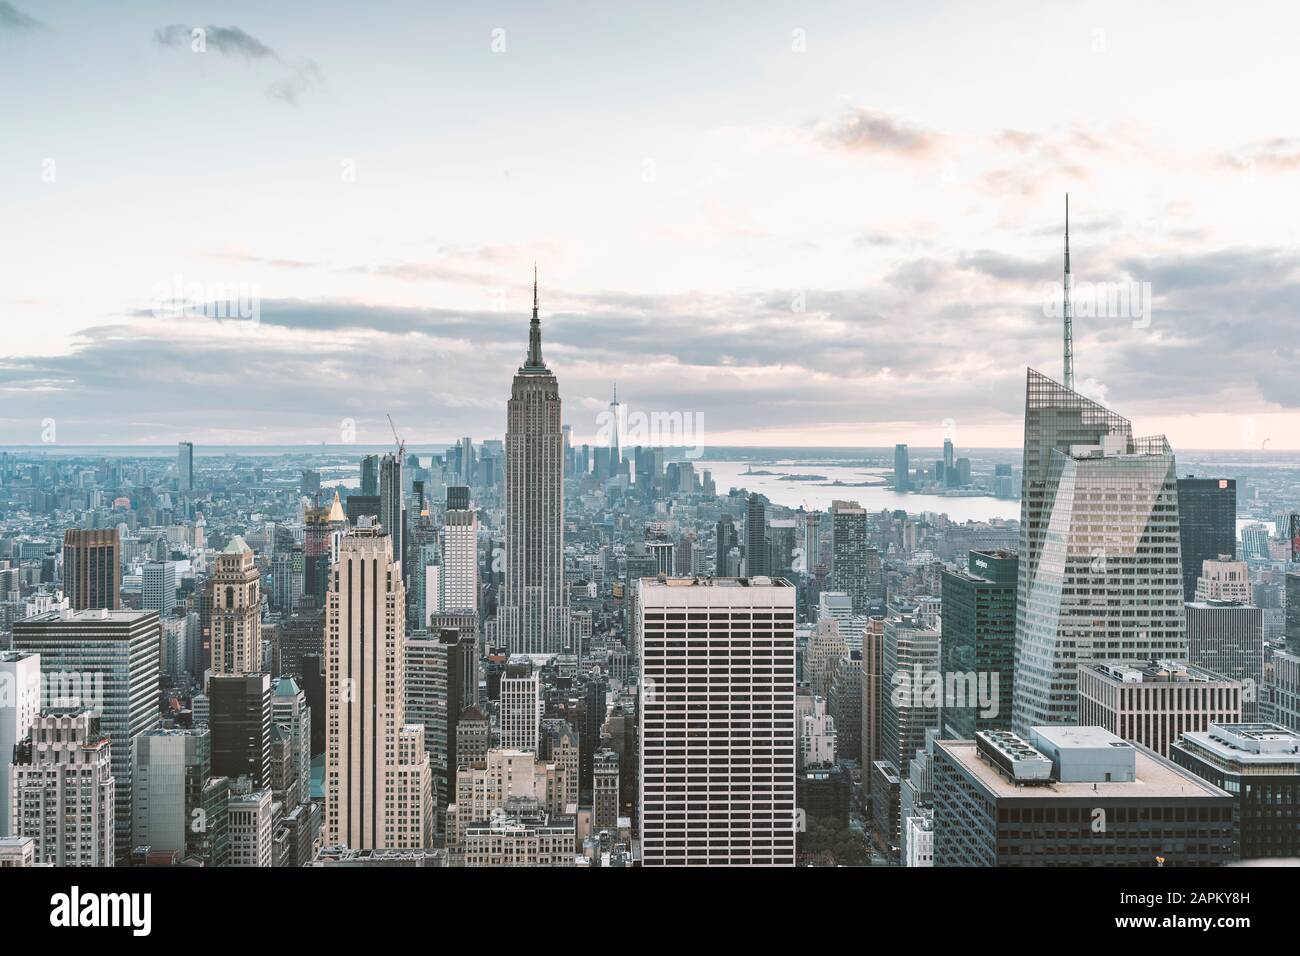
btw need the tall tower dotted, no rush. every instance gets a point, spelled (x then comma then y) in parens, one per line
(1068, 380)
(236, 611)
(392, 513)
(378, 786)
(615, 452)
(735, 703)
(1098, 526)
(92, 568)
(533, 617)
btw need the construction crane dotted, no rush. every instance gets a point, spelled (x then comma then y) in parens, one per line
(401, 444)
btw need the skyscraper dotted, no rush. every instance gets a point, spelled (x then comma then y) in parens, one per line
(458, 580)
(240, 721)
(236, 611)
(533, 615)
(92, 568)
(758, 553)
(185, 465)
(849, 572)
(731, 717)
(392, 513)
(370, 476)
(979, 642)
(1100, 576)
(158, 585)
(521, 706)
(63, 793)
(1207, 525)
(20, 705)
(108, 662)
(378, 788)
(902, 470)
(727, 539)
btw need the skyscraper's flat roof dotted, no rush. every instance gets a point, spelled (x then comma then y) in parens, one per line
(88, 616)
(1155, 778)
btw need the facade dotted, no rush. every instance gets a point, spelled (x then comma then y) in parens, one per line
(378, 784)
(718, 655)
(62, 791)
(458, 581)
(249, 824)
(236, 611)
(92, 568)
(483, 791)
(1156, 703)
(849, 572)
(1207, 525)
(20, 688)
(1223, 580)
(758, 552)
(441, 682)
(520, 706)
(1075, 796)
(912, 698)
(185, 466)
(240, 720)
(171, 768)
(106, 662)
(1228, 638)
(902, 469)
(522, 835)
(289, 712)
(159, 587)
(533, 614)
(1100, 573)
(604, 798)
(1259, 765)
(979, 638)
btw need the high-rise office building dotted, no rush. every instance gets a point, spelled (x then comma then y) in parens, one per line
(170, 771)
(758, 554)
(236, 611)
(185, 465)
(1100, 576)
(1291, 620)
(378, 786)
(520, 706)
(240, 721)
(727, 539)
(92, 568)
(158, 587)
(910, 707)
(1207, 525)
(1259, 765)
(458, 580)
(370, 476)
(731, 716)
(20, 704)
(604, 801)
(533, 614)
(63, 795)
(1156, 703)
(1072, 796)
(1227, 637)
(979, 643)
(441, 683)
(290, 713)
(392, 507)
(107, 662)
(902, 469)
(849, 562)
(1223, 580)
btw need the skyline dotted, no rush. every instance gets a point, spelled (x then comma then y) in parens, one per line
(714, 181)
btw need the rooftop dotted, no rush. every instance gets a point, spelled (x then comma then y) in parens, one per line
(1156, 672)
(1156, 777)
(1257, 743)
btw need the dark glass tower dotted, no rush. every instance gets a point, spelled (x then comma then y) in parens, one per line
(1207, 525)
(979, 638)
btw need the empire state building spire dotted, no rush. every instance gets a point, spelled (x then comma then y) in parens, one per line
(535, 332)
(1068, 380)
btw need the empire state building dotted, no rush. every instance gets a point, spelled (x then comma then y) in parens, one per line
(533, 614)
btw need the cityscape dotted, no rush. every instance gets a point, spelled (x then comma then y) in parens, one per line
(525, 588)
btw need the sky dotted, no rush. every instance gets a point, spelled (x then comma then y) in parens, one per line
(823, 224)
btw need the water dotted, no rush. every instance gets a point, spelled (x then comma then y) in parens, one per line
(817, 495)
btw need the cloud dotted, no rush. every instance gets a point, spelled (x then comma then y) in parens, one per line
(1279, 154)
(235, 42)
(11, 18)
(864, 130)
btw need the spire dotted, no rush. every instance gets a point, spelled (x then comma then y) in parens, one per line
(1068, 380)
(535, 332)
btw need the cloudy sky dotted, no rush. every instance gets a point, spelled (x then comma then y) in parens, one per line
(814, 223)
